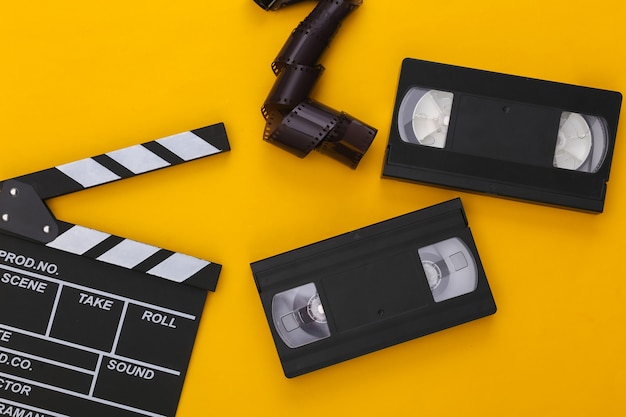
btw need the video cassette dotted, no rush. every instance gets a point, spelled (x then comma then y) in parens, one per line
(504, 135)
(373, 288)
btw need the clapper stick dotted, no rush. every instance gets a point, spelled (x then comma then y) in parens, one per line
(23, 214)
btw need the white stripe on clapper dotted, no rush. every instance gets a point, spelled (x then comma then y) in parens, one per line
(188, 146)
(78, 240)
(178, 267)
(128, 254)
(138, 159)
(88, 172)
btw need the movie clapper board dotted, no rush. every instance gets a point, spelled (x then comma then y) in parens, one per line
(93, 324)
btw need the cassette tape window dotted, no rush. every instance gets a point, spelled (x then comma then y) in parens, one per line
(581, 144)
(450, 269)
(425, 118)
(299, 316)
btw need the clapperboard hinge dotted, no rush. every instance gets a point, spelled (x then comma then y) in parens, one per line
(24, 214)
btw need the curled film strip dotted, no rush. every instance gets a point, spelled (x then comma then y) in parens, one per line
(294, 121)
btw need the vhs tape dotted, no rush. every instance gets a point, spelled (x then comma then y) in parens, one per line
(503, 135)
(373, 288)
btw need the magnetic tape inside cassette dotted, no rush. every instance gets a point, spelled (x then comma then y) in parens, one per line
(373, 288)
(502, 134)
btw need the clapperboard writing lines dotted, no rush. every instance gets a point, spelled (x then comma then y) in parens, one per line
(48, 361)
(118, 332)
(30, 407)
(88, 349)
(92, 388)
(99, 292)
(125, 300)
(79, 395)
(57, 297)
(93, 373)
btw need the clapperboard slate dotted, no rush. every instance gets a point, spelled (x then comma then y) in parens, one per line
(93, 324)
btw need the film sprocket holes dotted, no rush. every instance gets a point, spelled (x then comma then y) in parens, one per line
(296, 123)
(504, 135)
(372, 288)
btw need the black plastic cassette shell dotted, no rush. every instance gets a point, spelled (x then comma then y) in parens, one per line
(394, 243)
(536, 181)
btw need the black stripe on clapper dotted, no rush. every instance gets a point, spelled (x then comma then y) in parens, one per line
(104, 246)
(163, 153)
(153, 260)
(113, 166)
(64, 226)
(50, 183)
(215, 135)
(206, 278)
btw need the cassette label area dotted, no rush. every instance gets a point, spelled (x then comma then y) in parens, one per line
(82, 337)
(372, 288)
(501, 134)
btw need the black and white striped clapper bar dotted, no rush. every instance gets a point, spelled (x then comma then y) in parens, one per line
(92, 323)
(102, 169)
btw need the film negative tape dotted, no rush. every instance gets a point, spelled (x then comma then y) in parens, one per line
(347, 141)
(292, 87)
(295, 122)
(372, 288)
(303, 129)
(311, 37)
(504, 135)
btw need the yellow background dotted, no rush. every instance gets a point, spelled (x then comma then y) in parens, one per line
(79, 78)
